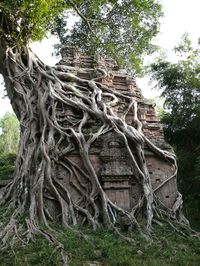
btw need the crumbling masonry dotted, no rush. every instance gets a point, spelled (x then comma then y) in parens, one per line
(108, 154)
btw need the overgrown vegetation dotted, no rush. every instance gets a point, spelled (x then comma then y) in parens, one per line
(180, 83)
(7, 166)
(9, 140)
(120, 29)
(166, 248)
(9, 134)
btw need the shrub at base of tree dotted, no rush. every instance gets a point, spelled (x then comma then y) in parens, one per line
(7, 166)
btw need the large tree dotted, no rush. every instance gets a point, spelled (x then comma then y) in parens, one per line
(9, 140)
(40, 95)
(9, 136)
(180, 85)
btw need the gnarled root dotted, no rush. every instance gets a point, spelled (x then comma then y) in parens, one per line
(41, 97)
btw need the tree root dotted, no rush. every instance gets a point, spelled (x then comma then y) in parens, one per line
(41, 97)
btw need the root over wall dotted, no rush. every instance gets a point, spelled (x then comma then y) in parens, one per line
(55, 109)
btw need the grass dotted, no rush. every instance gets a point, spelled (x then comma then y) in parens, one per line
(103, 247)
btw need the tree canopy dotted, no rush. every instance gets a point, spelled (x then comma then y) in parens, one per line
(23, 21)
(122, 29)
(181, 89)
(180, 83)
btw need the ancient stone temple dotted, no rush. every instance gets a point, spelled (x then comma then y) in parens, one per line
(108, 154)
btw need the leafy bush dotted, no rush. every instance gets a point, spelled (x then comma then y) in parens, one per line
(7, 166)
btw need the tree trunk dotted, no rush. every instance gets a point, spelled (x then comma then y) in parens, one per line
(40, 96)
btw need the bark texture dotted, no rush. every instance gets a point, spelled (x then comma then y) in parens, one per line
(41, 96)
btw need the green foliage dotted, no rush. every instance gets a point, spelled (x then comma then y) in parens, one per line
(120, 29)
(9, 136)
(38, 253)
(9, 139)
(25, 20)
(7, 166)
(107, 249)
(181, 89)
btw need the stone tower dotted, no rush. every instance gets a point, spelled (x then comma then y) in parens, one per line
(108, 154)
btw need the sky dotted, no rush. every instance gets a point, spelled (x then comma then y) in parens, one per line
(180, 16)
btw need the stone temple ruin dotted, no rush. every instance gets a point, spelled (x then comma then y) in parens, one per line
(108, 154)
